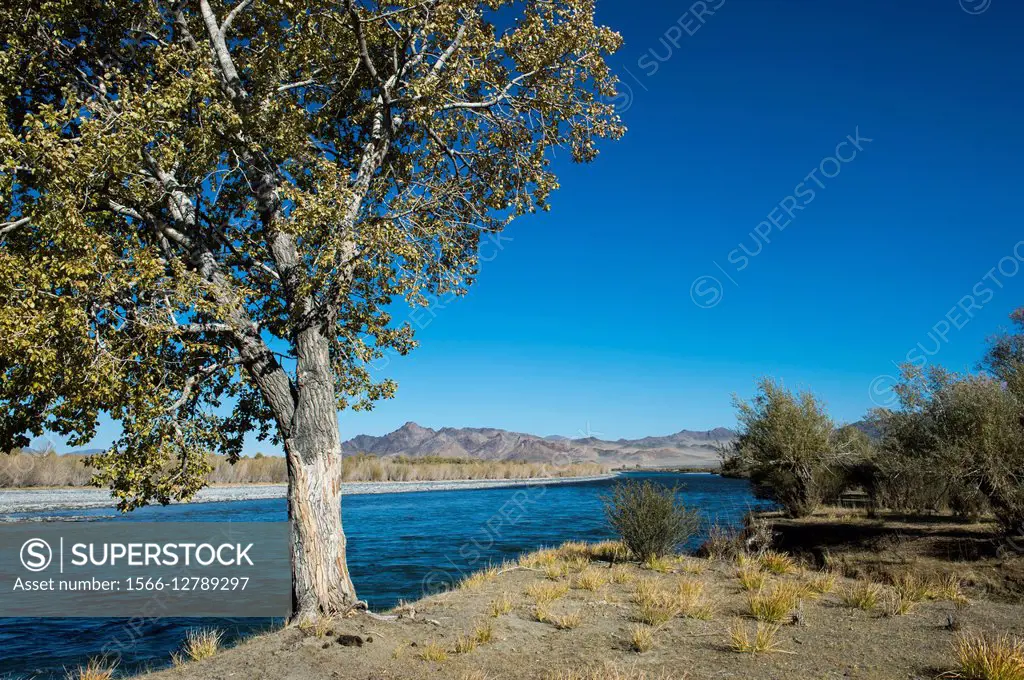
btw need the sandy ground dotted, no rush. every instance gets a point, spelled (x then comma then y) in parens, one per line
(41, 500)
(828, 640)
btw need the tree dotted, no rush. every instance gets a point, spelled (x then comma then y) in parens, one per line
(967, 432)
(210, 209)
(787, 443)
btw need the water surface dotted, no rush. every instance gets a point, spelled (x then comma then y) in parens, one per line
(401, 546)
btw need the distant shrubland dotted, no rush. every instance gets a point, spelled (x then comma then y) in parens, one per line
(24, 469)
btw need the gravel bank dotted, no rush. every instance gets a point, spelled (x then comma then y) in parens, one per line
(41, 500)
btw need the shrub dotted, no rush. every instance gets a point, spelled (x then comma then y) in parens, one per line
(983, 657)
(650, 519)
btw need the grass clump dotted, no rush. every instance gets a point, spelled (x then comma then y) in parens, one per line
(650, 519)
(821, 583)
(609, 551)
(95, 669)
(201, 643)
(911, 588)
(501, 606)
(751, 578)
(641, 639)
(985, 657)
(567, 621)
(544, 593)
(690, 601)
(591, 579)
(476, 580)
(464, 644)
(662, 565)
(656, 606)
(555, 570)
(950, 588)
(895, 603)
(776, 562)
(539, 559)
(432, 651)
(620, 574)
(862, 595)
(762, 641)
(484, 633)
(774, 604)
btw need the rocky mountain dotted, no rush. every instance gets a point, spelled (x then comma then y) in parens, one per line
(686, 448)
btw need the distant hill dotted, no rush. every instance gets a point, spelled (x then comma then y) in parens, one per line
(872, 429)
(686, 448)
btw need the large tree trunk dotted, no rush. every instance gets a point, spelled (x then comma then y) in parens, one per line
(321, 585)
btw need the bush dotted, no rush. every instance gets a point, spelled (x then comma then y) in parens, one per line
(650, 519)
(789, 447)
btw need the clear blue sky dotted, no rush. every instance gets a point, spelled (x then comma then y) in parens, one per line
(586, 316)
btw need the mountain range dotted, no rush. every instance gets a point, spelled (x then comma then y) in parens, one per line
(686, 448)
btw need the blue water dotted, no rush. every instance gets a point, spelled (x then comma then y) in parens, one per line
(401, 546)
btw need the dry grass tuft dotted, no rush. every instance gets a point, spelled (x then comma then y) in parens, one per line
(662, 565)
(575, 565)
(763, 640)
(776, 562)
(691, 602)
(692, 565)
(555, 570)
(641, 639)
(751, 578)
(822, 582)
(502, 605)
(484, 633)
(984, 657)
(656, 605)
(541, 614)
(95, 669)
(861, 595)
(432, 651)
(202, 643)
(950, 588)
(895, 603)
(774, 604)
(609, 551)
(476, 580)
(464, 644)
(567, 621)
(621, 574)
(911, 588)
(544, 593)
(610, 671)
(539, 559)
(591, 579)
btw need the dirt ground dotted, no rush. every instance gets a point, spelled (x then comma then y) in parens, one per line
(879, 547)
(821, 638)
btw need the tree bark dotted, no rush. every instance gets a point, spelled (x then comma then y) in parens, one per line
(321, 585)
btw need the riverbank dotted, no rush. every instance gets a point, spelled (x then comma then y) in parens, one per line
(570, 614)
(77, 498)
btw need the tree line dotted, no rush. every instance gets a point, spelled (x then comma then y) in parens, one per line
(951, 442)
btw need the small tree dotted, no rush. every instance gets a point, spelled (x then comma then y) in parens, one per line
(787, 444)
(650, 519)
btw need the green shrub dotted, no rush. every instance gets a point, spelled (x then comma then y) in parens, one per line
(650, 519)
